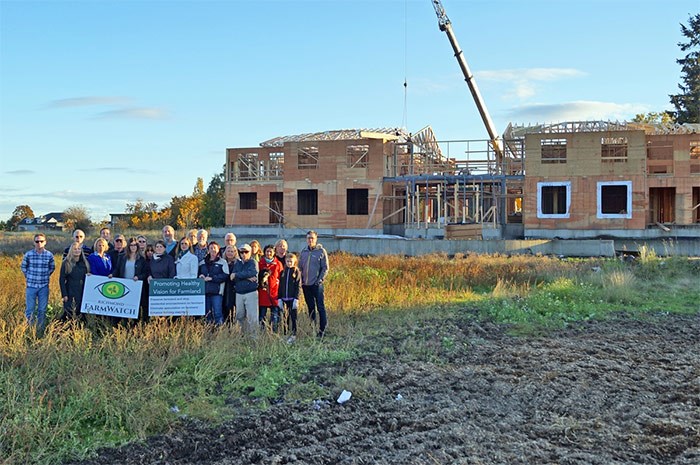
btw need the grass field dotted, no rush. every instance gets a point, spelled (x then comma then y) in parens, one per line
(76, 388)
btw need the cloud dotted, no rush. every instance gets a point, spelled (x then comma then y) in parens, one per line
(134, 113)
(121, 108)
(88, 101)
(117, 169)
(20, 172)
(524, 81)
(576, 111)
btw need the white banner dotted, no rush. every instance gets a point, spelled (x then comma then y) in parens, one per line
(176, 297)
(111, 296)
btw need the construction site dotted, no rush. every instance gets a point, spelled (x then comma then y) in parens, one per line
(569, 180)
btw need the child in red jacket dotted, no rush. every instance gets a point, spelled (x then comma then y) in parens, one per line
(268, 284)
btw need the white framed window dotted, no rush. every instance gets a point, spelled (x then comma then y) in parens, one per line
(614, 199)
(553, 199)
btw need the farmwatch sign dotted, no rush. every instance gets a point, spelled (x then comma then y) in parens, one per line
(111, 297)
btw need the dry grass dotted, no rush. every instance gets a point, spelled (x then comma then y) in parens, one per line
(76, 388)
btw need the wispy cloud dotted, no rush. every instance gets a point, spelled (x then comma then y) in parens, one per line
(121, 107)
(117, 169)
(8, 190)
(576, 111)
(20, 172)
(134, 113)
(524, 82)
(88, 101)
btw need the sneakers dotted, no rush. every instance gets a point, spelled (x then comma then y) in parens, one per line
(291, 339)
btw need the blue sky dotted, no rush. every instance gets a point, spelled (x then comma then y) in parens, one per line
(105, 102)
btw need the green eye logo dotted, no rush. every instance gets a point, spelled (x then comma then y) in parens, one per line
(112, 289)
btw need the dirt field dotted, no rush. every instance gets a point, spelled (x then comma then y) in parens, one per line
(621, 391)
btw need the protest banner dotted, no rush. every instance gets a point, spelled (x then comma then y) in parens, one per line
(111, 296)
(176, 297)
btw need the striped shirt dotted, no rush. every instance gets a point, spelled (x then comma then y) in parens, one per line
(37, 267)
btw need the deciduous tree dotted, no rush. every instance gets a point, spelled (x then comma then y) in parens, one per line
(21, 212)
(77, 217)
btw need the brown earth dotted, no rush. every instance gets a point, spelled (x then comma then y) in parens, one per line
(619, 391)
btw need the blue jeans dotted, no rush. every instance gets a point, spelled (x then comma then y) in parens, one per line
(213, 304)
(37, 301)
(314, 299)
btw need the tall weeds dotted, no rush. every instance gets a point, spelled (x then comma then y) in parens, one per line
(76, 387)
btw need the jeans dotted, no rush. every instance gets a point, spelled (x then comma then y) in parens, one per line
(213, 308)
(314, 299)
(274, 317)
(37, 301)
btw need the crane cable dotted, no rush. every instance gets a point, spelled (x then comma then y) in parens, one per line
(404, 121)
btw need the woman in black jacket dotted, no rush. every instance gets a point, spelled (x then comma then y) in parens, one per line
(72, 281)
(131, 264)
(162, 265)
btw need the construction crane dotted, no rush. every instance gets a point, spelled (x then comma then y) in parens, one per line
(446, 26)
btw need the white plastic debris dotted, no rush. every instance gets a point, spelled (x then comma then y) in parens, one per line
(344, 396)
(174, 409)
(399, 397)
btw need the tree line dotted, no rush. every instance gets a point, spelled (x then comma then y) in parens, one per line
(201, 209)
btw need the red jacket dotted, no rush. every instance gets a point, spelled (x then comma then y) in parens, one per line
(268, 298)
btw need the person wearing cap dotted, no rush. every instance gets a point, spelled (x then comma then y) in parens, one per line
(245, 278)
(313, 263)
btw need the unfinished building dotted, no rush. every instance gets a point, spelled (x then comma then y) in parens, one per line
(600, 179)
(373, 182)
(568, 180)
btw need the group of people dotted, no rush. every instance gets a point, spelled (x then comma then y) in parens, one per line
(244, 284)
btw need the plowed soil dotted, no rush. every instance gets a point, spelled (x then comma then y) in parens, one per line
(618, 391)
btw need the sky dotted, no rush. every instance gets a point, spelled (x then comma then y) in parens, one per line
(105, 102)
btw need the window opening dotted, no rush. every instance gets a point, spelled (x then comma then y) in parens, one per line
(357, 201)
(307, 202)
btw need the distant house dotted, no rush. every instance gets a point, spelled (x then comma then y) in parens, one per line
(119, 220)
(50, 221)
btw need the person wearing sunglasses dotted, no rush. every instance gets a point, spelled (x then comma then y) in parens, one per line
(37, 266)
(245, 278)
(117, 249)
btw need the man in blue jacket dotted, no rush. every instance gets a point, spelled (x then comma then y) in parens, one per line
(245, 278)
(313, 262)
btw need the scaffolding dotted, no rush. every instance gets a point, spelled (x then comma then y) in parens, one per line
(434, 183)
